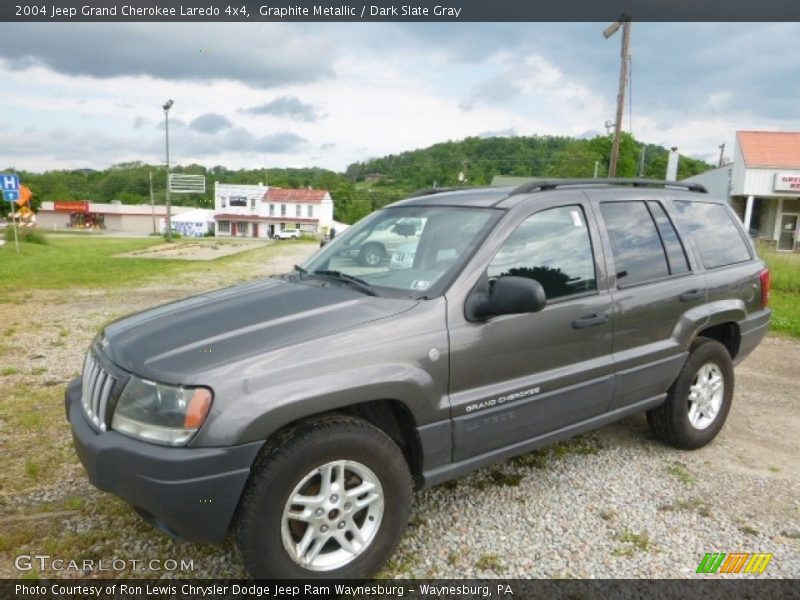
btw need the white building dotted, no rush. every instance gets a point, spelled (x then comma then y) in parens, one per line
(763, 185)
(82, 214)
(259, 211)
(192, 223)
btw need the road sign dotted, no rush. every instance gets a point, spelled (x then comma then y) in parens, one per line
(9, 182)
(187, 184)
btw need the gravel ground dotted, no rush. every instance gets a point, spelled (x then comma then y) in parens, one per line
(614, 503)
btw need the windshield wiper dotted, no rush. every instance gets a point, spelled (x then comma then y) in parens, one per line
(355, 282)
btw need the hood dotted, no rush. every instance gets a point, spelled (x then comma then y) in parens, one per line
(175, 343)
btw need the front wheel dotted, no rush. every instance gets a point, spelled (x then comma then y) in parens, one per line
(372, 255)
(329, 500)
(699, 400)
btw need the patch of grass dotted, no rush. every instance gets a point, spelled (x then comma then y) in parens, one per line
(634, 542)
(490, 562)
(450, 485)
(32, 469)
(78, 262)
(6, 371)
(501, 478)
(38, 371)
(536, 459)
(784, 271)
(25, 236)
(417, 521)
(30, 420)
(774, 469)
(748, 530)
(794, 535)
(582, 445)
(691, 505)
(679, 470)
(607, 514)
(785, 312)
(38, 445)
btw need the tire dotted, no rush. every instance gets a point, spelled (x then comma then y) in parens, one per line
(372, 255)
(328, 450)
(698, 401)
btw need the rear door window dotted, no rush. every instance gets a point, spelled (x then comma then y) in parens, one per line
(638, 251)
(676, 254)
(711, 225)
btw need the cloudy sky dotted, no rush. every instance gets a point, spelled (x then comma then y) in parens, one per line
(281, 95)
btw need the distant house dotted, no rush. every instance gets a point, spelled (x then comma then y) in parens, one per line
(762, 184)
(259, 211)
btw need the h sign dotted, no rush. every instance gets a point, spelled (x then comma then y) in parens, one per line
(9, 182)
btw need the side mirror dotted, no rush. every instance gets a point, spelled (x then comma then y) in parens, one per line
(509, 296)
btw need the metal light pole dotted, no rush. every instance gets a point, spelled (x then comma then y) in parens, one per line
(625, 23)
(167, 105)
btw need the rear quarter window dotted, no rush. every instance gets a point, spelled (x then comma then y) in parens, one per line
(718, 239)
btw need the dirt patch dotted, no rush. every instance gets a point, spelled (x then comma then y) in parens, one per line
(199, 250)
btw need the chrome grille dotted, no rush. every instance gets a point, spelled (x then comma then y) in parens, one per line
(97, 386)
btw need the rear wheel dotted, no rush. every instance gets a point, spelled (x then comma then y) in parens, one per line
(699, 400)
(330, 499)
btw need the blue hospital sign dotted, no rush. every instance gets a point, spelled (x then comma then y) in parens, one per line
(9, 182)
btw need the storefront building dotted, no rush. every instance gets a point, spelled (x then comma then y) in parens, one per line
(95, 216)
(260, 211)
(763, 185)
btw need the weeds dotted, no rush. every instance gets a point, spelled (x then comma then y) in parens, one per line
(679, 470)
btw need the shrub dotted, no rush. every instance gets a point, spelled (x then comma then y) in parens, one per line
(25, 235)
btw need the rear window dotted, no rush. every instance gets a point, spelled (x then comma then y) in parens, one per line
(718, 239)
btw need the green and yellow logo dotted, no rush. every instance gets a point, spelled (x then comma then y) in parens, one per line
(737, 562)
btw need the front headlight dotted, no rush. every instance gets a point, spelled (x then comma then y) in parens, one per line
(159, 413)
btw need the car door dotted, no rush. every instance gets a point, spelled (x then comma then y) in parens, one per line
(655, 289)
(516, 377)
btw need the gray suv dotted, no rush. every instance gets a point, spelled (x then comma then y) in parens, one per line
(299, 412)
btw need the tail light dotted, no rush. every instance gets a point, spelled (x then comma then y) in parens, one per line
(765, 285)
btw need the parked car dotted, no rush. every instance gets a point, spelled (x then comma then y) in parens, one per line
(300, 411)
(288, 234)
(374, 245)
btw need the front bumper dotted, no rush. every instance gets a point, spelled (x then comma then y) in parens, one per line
(190, 493)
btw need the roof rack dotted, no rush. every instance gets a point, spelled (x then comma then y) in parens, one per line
(439, 190)
(550, 184)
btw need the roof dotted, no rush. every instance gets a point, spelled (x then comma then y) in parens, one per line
(778, 149)
(478, 197)
(288, 195)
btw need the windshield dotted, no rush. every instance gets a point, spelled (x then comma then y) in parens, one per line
(411, 250)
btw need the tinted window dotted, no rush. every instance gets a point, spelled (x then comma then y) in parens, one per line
(676, 256)
(717, 237)
(638, 252)
(552, 247)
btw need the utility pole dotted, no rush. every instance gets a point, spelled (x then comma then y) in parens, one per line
(641, 161)
(625, 23)
(167, 105)
(152, 203)
(721, 153)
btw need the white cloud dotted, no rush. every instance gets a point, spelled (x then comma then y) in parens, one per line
(381, 88)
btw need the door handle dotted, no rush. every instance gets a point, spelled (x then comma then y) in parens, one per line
(589, 321)
(691, 295)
